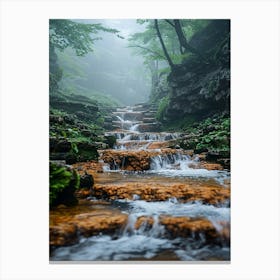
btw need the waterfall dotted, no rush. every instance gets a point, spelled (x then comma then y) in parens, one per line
(159, 201)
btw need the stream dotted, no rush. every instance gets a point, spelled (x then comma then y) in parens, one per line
(160, 203)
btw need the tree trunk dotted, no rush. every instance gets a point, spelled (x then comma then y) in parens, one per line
(163, 46)
(183, 41)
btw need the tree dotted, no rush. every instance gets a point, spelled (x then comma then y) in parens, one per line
(182, 39)
(170, 62)
(164, 44)
(65, 33)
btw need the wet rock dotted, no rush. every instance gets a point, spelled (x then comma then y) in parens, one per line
(149, 127)
(83, 193)
(110, 140)
(225, 162)
(101, 145)
(159, 145)
(71, 158)
(210, 166)
(60, 145)
(87, 151)
(133, 160)
(90, 167)
(186, 227)
(86, 219)
(63, 184)
(63, 234)
(127, 160)
(106, 223)
(86, 181)
(144, 221)
(157, 192)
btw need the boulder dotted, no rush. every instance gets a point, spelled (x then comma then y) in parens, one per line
(86, 181)
(64, 181)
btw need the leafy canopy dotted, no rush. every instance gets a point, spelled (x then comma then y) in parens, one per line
(78, 36)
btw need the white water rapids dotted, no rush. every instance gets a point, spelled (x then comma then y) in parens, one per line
(152, 242)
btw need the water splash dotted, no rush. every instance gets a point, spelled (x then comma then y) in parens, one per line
(134, 127)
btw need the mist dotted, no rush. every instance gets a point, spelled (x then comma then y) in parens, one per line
(112, 69)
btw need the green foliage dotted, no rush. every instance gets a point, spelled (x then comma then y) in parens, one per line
(147, 44)
(72, 131)
(163, 104)
(67, 33)
(181, 124)
(74, 148)
(60, 178)
(214, 134)
(63, 34)
(192, 26)
(210, 134)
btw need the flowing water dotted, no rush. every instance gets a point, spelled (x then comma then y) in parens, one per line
(163, 234)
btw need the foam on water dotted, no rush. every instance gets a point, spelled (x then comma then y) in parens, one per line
(134, 127)
(178, 165)
(106, 248)
(171, 207)
(149, 240)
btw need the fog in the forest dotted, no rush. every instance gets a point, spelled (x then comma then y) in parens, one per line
(112, 69)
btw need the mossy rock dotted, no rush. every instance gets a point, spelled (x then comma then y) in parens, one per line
(86, 181)
(86, 151)
(64, 181)
(110, 140)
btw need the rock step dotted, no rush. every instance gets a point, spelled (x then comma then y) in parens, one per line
(140, 160)
(148, 114)
(207, 194)
(148, 144)
(149, 127)
(132, 160)
(149, 120)
(65, 227)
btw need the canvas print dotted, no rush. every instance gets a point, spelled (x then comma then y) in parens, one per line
(139, 134)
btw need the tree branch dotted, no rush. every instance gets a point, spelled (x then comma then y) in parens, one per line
(183, 40)
(170, 22)
(149, 50)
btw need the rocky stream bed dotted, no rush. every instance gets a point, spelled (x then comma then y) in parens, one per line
(151, 200)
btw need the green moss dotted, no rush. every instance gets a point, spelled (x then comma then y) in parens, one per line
(163, 104)
(210, 134)
(63, 183)
(183, 124)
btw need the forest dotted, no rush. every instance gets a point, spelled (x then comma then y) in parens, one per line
(139, 140)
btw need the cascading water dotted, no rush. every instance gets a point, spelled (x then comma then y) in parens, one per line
(158, 228)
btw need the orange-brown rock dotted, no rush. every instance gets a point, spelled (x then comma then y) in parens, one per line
(63, 234)
(87, 219)
(159, 145)
(83, 193)
(209, 194)
(186, 227)
(206, 165)
(133, 160)
(144, 220)
(127, 160)
(105, 222)
(90, 167)
(211, 166)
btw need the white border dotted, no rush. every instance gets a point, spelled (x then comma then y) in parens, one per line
(255, 138)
